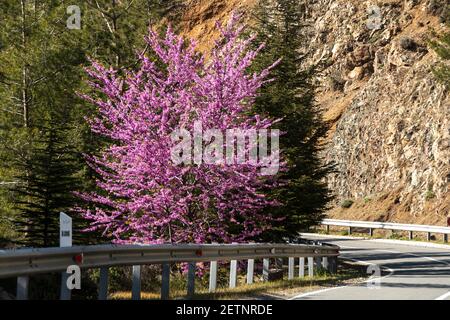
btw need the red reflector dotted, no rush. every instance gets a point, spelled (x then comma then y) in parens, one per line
(198, 253)
(78, 258)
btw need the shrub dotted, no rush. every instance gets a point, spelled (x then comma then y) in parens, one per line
(429, 195)
(347, 203)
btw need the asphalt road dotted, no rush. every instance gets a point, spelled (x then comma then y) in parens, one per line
(408, 272)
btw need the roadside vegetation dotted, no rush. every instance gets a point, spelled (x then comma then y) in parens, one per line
(280, 289)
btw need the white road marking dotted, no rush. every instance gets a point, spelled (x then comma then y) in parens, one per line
(302, 295)
(444, 296)
(391, 271)
(414, 255)
(315, 292)
(403, 253)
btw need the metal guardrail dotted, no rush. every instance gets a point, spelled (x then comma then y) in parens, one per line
(22, 263)
(388, 226)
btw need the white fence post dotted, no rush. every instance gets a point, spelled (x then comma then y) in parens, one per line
(325, 263)
(291, 269)
(212, 276)
(310, 266)
(250, 270)
(233, 273)
(301, 267)
(266, 264)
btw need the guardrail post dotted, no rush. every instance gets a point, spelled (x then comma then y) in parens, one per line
(165, 281)
(370, 232)
(317, 263)
(212, 276)
(103, 285)
(445, 237)
(428, 236)
(233, 273)
(411, 235)
(325, 263)
(301, 267)
(250, 270)
(327, 228)
(310, 266)
(332, 266)
(136, 283)
(349, 230)
(191, 279)
(291, 269)
(65, 293)
(266, 265)
(22, 288)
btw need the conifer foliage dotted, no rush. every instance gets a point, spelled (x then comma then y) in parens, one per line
(48, 182)
(290, 97)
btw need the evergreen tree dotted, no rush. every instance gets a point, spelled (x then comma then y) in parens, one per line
(41, 71)
(50, 181)
(290, 97)
(38, 67)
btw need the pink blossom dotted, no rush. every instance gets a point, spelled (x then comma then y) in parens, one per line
(143, 196)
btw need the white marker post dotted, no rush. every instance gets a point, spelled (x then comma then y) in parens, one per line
(65, 240)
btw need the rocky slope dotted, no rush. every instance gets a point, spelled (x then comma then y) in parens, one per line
(390, 137)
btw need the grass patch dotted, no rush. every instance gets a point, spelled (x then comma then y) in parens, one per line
(263, 290)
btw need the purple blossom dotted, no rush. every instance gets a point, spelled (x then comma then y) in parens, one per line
(144, 196)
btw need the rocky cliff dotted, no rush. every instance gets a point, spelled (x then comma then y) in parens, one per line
(390, 138)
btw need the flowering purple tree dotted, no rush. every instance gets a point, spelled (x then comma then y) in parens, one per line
(144, 196)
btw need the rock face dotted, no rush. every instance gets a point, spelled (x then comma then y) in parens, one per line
(390, 138)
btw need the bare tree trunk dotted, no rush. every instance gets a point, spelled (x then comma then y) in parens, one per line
(25, 96)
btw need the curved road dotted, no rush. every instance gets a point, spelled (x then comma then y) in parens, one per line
(408, 272)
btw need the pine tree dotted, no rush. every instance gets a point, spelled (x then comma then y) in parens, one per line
(50, 181)
(290, 97)
(37, 63)
(41, 71)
